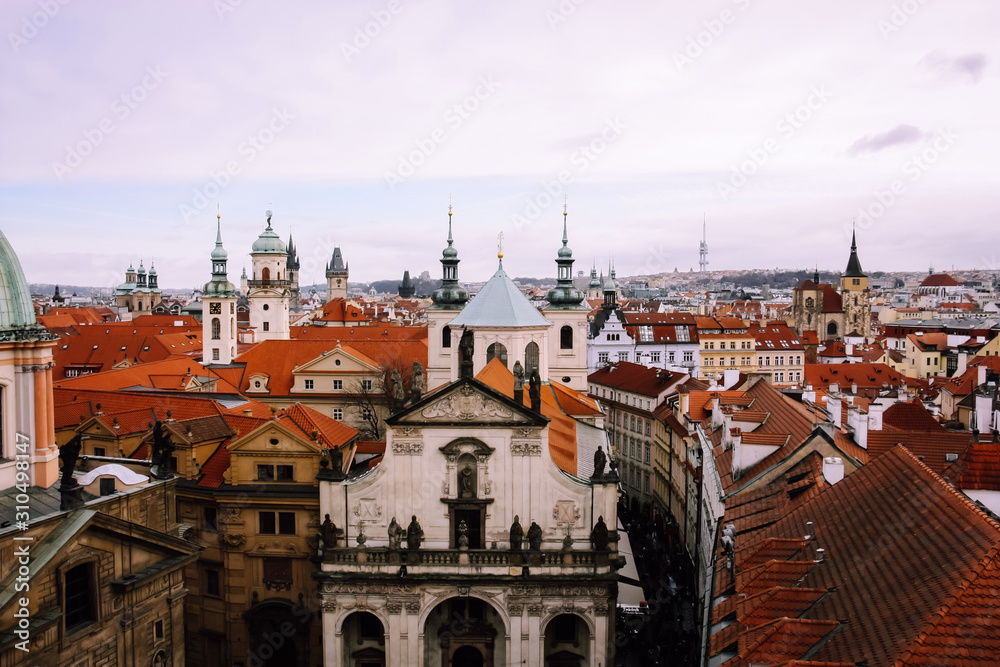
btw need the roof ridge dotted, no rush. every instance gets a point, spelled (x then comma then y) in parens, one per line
(951, 489)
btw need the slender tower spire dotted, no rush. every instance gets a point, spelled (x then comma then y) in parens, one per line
(703, 248)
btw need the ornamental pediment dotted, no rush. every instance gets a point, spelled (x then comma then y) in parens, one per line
(466, 404)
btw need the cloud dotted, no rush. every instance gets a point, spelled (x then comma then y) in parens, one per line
(871, 143)
(944, 66)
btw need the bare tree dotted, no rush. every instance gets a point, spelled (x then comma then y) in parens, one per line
(375, 397)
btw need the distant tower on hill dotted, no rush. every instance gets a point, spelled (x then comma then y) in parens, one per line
(703, 248)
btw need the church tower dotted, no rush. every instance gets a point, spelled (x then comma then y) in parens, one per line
(218, 302)
(449, 299)
(855, 295)
(337, 273)
(568, 314)
(269, 289)
(594, 286)
(295, 302)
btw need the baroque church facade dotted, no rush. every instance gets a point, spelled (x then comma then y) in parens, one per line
(487, 533)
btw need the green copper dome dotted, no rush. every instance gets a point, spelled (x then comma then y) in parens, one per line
(16, 308)
(268, 241)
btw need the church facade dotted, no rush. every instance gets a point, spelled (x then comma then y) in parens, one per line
(487, 533)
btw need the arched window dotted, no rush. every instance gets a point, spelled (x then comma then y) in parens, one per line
(216, 328)
(265, 275)
(446, 337)
(566, 338)
(530, 358)
(831, 329)
(497, 351)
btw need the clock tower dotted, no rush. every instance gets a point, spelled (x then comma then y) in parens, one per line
(218, 301)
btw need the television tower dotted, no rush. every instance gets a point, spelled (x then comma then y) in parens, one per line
(703, 249)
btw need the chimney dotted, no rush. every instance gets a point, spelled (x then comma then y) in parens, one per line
(248, 412)
(875, 416)
(857, 421)
(854, 388)
(981, 374)
(963, 364)
(809, 530)
(833, 406)
(984, 408)
(717, 418)
(833, 388)
(849, 349)
(833, 469)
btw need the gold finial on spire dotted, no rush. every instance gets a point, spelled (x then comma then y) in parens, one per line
(500, 245)
(565, 205)
(449, 204)
(218, 209)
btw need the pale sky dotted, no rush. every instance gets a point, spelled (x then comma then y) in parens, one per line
(780, 121)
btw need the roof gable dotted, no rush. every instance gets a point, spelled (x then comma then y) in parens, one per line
(467, 402)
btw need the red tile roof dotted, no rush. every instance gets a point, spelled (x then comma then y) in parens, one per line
(932, 447)
(911, 565)
(279, 358)
(174, 373)
(562, 427)
(977, 468)
(910, 416)
(637, 378)
(940, 280)
(866, 376)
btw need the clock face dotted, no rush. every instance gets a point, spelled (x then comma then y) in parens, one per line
(215, 308)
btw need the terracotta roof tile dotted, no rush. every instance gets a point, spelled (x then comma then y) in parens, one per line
(637, 378)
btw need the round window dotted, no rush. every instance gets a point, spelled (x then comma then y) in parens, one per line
(336, 362)
(266, 306)
(274, 441)
(256, 384)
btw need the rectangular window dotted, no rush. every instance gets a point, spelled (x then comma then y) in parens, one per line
(654, 357)
(210, 518)
(99, 451)
(338, 414)
(366, 414)
(632, 424)
(647, 456)
(309, 384)
(688, 356)
(284, 473)
(732, 361)
(647, 429)
(602, 357)
(710, 361)
(646, 482)
(732, 345)
(215, 354)
(267, 326)
(157, 631)
(367, 384)
(338, 384)
(78, 601)
(265, 473)
(108, 486)
(285, 524)
(212, 583)
(623, 356)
